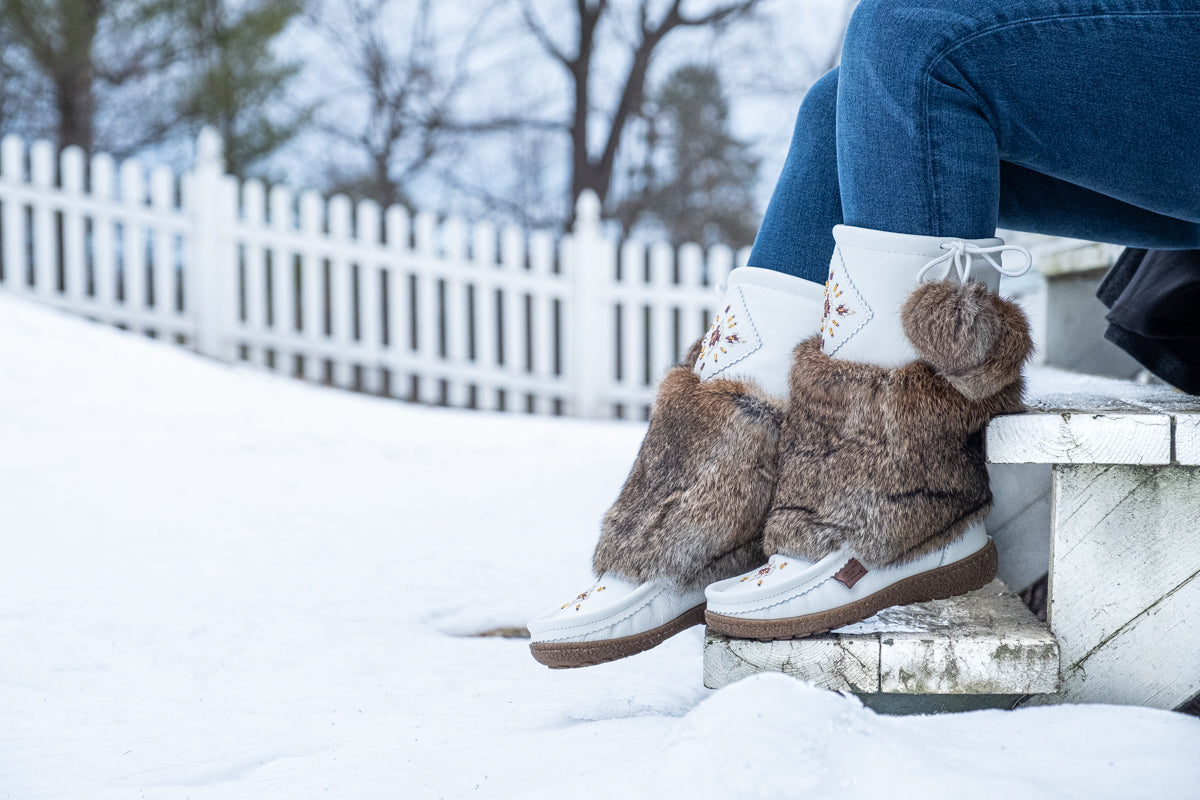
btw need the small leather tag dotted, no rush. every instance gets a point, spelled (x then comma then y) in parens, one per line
(851, 573)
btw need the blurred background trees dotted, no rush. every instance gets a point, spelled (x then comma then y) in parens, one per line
(667, 109)
(696, 180)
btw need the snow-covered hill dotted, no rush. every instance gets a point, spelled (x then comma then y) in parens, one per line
(216, 583)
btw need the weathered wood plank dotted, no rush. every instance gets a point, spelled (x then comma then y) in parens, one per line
(1187, 439)
(1080, 438)
(1125, 583)
(1153, 661)
(984, 642)
(841, 663)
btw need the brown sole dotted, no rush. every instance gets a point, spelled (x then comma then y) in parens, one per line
(967, 575)
(566, 655)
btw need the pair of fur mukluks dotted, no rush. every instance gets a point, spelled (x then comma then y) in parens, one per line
(891, 461)
(888, 461)
(693, 506)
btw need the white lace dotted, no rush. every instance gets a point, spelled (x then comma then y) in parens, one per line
(958, 258)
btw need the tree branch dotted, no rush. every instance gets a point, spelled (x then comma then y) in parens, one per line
(717, 16)
(543, 37)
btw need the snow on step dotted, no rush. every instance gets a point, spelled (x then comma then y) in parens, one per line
(1084, 419)
(982, 643)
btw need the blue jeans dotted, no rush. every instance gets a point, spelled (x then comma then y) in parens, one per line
(955, 117)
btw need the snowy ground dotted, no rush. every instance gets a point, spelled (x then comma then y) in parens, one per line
(220, 584)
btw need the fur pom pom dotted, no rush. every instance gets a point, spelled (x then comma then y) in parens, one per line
(974, 339)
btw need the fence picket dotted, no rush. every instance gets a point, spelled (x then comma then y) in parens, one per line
(627, 322)
(312, 314)
(456, 328)
(162, 250)
(429, 310)
(369, 305)
(104, 275)
(341, 291)
(132, 251)
(511, 329)
(663, 353)
(254, 273)
(12, 171)
(41, 160)
(486, 337)
(282, 308)
(71, 167)
(691, 278)
(399, 321)
(543, 348)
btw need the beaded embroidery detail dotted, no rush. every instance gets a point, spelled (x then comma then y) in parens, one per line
(730, 338)
(845, 310)
(763, 572)
(578, 601)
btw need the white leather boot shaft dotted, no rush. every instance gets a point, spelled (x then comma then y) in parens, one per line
(762, 318)
(871, 274)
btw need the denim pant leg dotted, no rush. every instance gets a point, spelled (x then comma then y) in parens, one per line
(1092, 105)
(796, 234)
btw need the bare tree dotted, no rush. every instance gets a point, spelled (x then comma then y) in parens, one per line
(594, 169)
(186, 62)
(59, 35)
(79, 48)
(405, 86)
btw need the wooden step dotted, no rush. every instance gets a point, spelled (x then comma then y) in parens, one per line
(983, 649)
(1124, 554)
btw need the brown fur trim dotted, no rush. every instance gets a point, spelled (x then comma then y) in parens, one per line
(693, 505)
(891, 462)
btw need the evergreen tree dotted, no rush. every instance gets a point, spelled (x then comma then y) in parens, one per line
(696, 180)
(237, 85)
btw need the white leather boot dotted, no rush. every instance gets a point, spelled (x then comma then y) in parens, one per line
(853, 545)
(691, 511)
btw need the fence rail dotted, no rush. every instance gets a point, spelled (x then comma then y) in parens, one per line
(354, 295)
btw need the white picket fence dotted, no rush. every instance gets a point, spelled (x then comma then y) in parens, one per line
(354, 296)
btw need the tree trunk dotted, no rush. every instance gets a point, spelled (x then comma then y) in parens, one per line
(76, 103)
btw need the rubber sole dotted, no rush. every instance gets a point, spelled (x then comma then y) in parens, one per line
(568, 655)
(971, 573)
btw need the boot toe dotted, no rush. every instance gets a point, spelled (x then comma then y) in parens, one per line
(613, 619)
(839, 590)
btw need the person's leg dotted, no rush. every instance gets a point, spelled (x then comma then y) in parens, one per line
(1104, 96)
(1037, 203)
(796, 234)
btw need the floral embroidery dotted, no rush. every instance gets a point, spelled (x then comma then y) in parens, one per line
(829, 322)
(578, 601)
(845, 310)
(730, 338)
(719, 334)
(763, 572)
